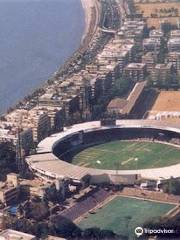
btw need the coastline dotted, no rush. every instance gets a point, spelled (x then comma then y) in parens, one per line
(91, 19)
(87, 6)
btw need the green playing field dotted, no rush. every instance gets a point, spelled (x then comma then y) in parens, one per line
(122, 215)
(125, 155)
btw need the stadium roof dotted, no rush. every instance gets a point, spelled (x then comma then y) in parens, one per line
(47, 164)
(46, 145)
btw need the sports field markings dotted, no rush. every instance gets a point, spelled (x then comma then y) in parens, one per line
(105, 150)
(123, 147)
(123, 214)
(85, 165)
(127, 161)
(149, 154)
(81, 163)
(147, 150)
(142, 147)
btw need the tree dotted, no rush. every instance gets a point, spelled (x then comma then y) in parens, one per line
(120, 87)
(64, 227)
(7, 156)
(172, 186)
(166, 27)
(163, 51)
(37, 210)
(97, 233)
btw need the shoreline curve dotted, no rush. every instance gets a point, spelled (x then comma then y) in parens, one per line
(86, 38)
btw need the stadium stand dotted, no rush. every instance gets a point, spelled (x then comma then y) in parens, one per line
(86, 203)
(48, 162)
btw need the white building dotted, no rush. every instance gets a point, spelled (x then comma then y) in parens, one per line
(10, 234)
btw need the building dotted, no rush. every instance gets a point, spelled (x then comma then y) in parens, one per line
(54, 238)
(34, 122)
(50, 99)
(124, 107)
(135, 71)
(175, 33)
(123, 60)
(151, 44)
(131, 51)
(2, 222)
(83, 88)
(174, 58)
(40, 124)
(150, 59)
(9, 190)
(13, 133)
(10, 234)
(113, 55)
(96, 88)
(156, 33)
(161, 73)
(56, 116)
(12, 178)
(133, 29)
(116, 105)
(34, 187)
(71, 105)
(92, 68)
(6, 135)
(26, 139)
(174, 44)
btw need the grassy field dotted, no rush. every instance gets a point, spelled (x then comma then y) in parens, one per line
(128, 155)
(122, 215)
(161, 10)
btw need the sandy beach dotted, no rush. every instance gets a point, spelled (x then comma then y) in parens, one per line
(87, 6)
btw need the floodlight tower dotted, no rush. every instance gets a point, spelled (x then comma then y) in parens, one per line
(178, 23)
(19, 157)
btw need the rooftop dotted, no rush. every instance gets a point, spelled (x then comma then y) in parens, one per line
(124, 106)
(54, 238)
(135, 65)
(154, 33)
(163, 66)
(175, 40)
(48, 164)
(117, 103)
(9, 234)
(174, 54)
(175, 33)
(151, 41)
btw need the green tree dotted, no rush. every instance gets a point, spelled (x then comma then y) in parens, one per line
(7, 156)
(63, 226)
(172, 186)
(121, 87)
(37, 210)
